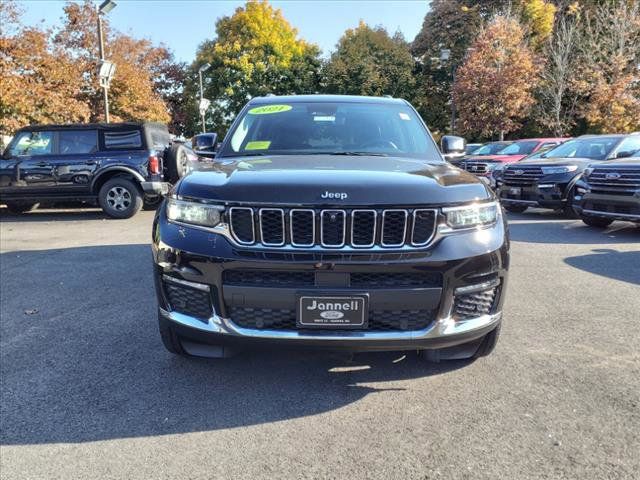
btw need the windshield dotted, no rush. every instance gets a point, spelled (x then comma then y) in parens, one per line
(596, 148)
(489, 149)
(331, 128)
(519, 148)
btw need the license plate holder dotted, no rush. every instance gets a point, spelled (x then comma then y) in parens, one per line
(332, 311)
(515, 191)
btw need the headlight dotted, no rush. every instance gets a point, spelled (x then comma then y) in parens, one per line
(471, 216)
(194, 213)
(565, 169)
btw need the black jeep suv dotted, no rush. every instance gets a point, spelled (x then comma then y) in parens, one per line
(119, 165)
(333, 222)
(550, 181)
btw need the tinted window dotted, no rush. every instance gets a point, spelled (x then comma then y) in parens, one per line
(315, 128)
(489, 149)
(519, 148)
(32, 143)
(596, 148)
(630, 144)
(122, 139)
(77, 141)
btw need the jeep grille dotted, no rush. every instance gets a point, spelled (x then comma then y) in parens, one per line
(332, 228)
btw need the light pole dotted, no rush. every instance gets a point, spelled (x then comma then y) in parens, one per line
(445, 56)
(106, 69)
(203, 105)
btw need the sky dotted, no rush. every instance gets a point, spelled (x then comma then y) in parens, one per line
(183, 24)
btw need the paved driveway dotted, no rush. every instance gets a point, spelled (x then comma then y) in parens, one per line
(89, 392)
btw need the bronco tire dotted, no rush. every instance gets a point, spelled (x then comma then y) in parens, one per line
(120, 198)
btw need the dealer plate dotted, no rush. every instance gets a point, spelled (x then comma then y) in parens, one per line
(344, 312)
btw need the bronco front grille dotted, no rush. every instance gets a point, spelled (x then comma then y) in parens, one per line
(614, 180)
(333, 228)
(521, 175)
(285, 319)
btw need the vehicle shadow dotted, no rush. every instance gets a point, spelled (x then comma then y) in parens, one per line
(81, 359)
(52, 215)
(623, 266)
(554, 228)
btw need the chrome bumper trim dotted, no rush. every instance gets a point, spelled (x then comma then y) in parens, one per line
(443, 328)
(611, 214)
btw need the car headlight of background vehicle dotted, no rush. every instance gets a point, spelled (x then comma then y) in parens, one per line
(194, 213)
(562, 169)
(470, 216)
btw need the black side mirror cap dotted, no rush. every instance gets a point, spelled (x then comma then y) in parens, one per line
(452, 144)
(626, 154)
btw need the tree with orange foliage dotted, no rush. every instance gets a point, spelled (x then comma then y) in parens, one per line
(493, 87)
(39, 81)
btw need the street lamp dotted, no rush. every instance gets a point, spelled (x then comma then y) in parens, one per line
(204, 103)
(106, 69)
(445, 56)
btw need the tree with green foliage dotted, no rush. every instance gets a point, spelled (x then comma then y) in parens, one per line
(255, 52)
(368, 61)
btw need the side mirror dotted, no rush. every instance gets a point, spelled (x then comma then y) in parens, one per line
(205, 142)
(626, 154)
(452, 144)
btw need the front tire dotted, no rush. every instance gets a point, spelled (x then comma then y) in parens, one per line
(515, 208)
(18, 208)
(596, 222)
(120, 198)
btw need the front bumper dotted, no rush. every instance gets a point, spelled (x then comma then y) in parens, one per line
(204, 259)
(613, 206)
(548, 192)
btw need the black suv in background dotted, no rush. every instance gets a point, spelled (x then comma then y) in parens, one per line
(609, 191)
(119, 165)
(550, 181)
(333, 222)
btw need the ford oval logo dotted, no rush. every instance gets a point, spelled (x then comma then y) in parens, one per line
(331, 315)
(518, 172)
(612, 176)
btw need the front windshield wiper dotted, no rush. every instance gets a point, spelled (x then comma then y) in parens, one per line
(365, 154)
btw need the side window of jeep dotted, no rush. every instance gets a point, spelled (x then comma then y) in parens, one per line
(122, 140)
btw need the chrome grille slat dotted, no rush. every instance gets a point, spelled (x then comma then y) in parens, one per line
(627, 183)
(352, 227)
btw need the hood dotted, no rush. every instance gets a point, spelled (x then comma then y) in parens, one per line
(333, 180)
(549, 162)
(496, 158)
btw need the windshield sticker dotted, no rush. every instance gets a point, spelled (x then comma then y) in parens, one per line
(324, 118)
(404, 116)
(268, 109)
(258, 145)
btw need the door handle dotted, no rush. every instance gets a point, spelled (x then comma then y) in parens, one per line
(90, 162)
(42, 164)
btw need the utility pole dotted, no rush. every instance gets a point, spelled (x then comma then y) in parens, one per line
(203, 105)
(106, 69)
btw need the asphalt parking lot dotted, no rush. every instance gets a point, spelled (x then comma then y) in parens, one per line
(88, 391)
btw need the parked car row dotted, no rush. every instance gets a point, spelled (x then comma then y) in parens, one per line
(558, 175)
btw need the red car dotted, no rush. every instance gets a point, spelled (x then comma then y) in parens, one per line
(483, 165)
